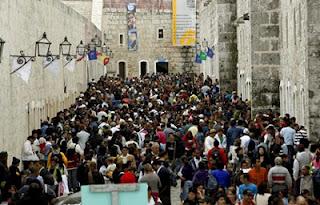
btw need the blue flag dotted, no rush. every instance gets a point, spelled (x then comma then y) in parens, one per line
(92, 55)
(210, 53)
(198, 59)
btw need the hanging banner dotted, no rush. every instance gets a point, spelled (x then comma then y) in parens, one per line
(70, 65)
(52, 65)
(132, 30)
(183, 22)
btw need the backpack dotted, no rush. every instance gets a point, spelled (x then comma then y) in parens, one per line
(216, 156)
(212, 183)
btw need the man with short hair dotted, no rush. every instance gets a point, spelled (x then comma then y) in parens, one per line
(215, 155)
(246, 185)
(279, 177)
(258, 174)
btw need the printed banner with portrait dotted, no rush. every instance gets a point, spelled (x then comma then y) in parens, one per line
(132, 30)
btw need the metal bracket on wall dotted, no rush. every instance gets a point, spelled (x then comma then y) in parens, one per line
(22, 60)
(50, 59)
(68, 59)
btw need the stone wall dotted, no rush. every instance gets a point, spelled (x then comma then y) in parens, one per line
(150, 48)
(294, 60)
(216, 25)
(259, 56)
(24, 105)
(313, 52)
(83, 7)
(244, 44)
(300, 62)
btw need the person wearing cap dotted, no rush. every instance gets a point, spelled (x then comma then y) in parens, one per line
(279, 177)
(245, 139)
(209, 140)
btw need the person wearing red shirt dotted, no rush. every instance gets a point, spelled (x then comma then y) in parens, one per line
(190, 143)
(222, 155)
(128, 177)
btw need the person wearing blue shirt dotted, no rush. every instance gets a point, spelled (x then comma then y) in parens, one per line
(246, 186)
(222, 176)
(233, 133)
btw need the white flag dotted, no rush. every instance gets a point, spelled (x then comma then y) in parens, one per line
(52, 66)
(22, 70)
(70, 65)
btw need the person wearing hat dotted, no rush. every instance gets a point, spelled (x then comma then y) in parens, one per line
(15, 174)
(279, 177)
(209, 140)
(245, 139)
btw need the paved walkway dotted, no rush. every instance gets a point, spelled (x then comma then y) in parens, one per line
(175, 194)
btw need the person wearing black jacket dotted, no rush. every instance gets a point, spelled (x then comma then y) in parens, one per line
(164, 175)
(15, 175)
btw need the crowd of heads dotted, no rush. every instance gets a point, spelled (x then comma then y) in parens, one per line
(119, 130)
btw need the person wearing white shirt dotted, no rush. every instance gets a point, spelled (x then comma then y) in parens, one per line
(101, 114)
(221, 138)
(208, 142)
(28, 155)
(83, 137)
(245, 139)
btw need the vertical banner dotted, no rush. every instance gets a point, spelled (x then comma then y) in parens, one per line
(132, 30)
(183, 22)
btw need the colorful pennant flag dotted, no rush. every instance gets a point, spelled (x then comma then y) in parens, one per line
(70, 65)
(203, 56)
(198, 60)
(92, 55)
(52, 65)
(210, 53)
(103, 58)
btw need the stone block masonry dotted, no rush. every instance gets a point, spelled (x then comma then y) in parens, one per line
(259, 54)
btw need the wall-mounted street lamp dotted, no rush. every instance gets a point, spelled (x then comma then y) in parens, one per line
(1, 47)
(97, 41)
(65, 48)
(81, 49)
(92, 45)
(43, 46)
(43, 50)
(106, 50)
(242, 19)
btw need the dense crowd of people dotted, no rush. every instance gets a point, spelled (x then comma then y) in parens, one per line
(166, 130)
